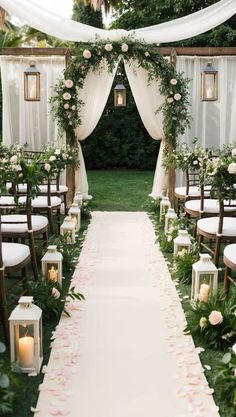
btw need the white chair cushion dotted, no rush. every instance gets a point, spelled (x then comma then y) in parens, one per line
(53, 188)
(193, 192)
(210, 225)
(38, 223)
(14, 253)
(42, 201)
(7, 201)
(210, 206)
(230, 253)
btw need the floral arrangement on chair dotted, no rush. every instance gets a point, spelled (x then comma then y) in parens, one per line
(222, 169)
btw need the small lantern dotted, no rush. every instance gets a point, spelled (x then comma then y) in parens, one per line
(78, 198)
(26, 336)
(209, 83)
(119, 95)
(169, 218)
(75, 215)
(204, 278)
(32, 83)
(164, 206)
(68, 229)
(182, 243)
(52, 265)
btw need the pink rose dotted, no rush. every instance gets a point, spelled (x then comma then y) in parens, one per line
(177, 96)
(66, 106)
(66, 96)
(55, 293)
(173, 81)
(87, 54)
(124, 47)
(170, 100)
(69, 83)
(108, 47)
(215, 318)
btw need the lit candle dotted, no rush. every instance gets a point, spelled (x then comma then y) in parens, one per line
(209, 92)
(74, 219)
(119, 99)
(204, 292)
(69, 236)
(53, 274)
(26, 351)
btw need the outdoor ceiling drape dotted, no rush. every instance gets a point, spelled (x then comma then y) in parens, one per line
(51, 23)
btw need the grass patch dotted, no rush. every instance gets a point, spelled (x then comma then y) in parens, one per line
(125, 190)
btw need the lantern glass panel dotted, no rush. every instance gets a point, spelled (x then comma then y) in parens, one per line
(209, 86)
(181, 248)
(24, 345)
(206, 279)
(52, 271)
(32, 87)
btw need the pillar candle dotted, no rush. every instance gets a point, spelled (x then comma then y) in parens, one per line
(26, 351)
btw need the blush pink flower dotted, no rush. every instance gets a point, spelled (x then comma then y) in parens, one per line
(87, 54)
(177, 96)
(66, 106)
(215, 318)
(108, 47)
(124, 47)
(173, 81)
(66, 96)
(69, 83)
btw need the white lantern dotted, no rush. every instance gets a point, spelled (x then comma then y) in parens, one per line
(68, 229)
(32, 83)
(169, 218)
(182, 243)
(204, 278)
(164, 206)
(26, 336)
(75, 215)
(209, 83)
(78, 198)
(52, 265)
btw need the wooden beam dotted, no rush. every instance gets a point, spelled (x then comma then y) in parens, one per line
(168, 51)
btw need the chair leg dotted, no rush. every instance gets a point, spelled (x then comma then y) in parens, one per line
(217, 251)
(50, 219)
(200, 241)
(226, 280)
(25, 276)
(33, 256)
(45, 239)
(3, 307)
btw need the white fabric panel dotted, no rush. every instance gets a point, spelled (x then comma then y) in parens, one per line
(213, 122)
(160, 182)
(95, 93)
(38, 17)
(24, 121)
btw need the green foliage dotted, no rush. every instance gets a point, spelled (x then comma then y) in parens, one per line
(205, 334)
(183, 267)
(85, 14)
(225, 377)
(8, 385)
(51, 298)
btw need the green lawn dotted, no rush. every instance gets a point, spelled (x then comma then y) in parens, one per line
(120, 190)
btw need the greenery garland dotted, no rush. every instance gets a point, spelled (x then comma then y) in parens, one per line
(66, 104)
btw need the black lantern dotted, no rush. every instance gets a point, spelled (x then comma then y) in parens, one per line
(32, 83)
(119, 95)
(209, 83)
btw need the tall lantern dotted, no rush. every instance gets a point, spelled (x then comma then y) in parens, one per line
(204, 278)
(209, 83)
(68, 229)
(169, 219)
(74, 212)
(52, 265)
(119, 95)
(164, 206)
(182, 243)
(32, 83)
(78, 198)
(26, 336)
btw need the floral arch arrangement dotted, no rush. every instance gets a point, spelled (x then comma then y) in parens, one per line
(173, 86)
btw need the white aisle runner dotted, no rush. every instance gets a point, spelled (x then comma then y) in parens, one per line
(124, 354)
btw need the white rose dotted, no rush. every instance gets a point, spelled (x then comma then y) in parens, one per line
(17, 168)
(57, 151)
(87, 54)
(69, 83)
(195, 162)
(170, 100)
(234, 152)
(52, 158)
(173, 81)
(203, 322)
(177, 96)
(124, 47)
(169, 238)
(73, 107)
(108, 47)
(66, 96)
(66, 106)
(234, 348)
(14, 159)
(232, 168)
(147, 53)
(47, 167)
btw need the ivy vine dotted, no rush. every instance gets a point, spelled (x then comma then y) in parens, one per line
(66, 104)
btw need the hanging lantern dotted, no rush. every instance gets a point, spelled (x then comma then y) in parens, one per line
(75, 215)
(68, 229)
(119, 95)
(209, 83)
(169, 218)
(26, 336)
(52, 265)
(32, 83)
(164, 206)
(204, 278)
(78, 198)
(182, 243)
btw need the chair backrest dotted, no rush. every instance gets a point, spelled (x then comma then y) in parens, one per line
(223, 205)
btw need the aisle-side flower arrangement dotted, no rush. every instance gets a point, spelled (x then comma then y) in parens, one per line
(223, 172)
(8, 385)
(212, 323)
(225, 376)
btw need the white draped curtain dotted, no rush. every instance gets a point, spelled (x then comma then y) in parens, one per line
(213, 122)
(23, 121)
